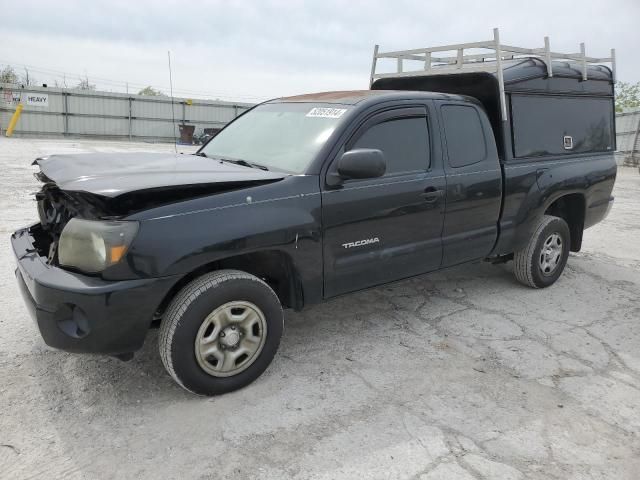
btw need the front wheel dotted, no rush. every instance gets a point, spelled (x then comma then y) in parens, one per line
(542, 261)
(220, 332)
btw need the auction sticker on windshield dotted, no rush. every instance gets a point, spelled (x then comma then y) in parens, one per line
(326, 112)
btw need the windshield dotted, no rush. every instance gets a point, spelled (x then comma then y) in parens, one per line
(279, 136)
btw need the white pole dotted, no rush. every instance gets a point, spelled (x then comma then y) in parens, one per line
(584, 62)
(503, 101)
(547, 56)
(373, 65)
(613, 65)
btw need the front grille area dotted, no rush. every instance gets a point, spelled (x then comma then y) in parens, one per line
(54, 213)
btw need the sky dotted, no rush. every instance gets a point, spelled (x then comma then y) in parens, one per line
(254, 50)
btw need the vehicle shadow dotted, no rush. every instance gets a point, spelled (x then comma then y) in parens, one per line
(89, 384)
(340, 356)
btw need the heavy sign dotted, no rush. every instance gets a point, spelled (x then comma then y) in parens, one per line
(27, 99)
(36, 99)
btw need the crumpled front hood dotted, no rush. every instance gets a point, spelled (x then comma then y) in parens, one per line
(114, 174)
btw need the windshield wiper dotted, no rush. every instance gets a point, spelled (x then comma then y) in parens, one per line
(244, 163)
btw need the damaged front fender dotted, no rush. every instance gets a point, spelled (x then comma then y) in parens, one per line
(114, 186)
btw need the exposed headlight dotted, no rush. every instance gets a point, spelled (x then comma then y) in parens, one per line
(92, 246)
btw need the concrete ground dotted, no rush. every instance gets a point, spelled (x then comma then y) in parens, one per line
(463, 374)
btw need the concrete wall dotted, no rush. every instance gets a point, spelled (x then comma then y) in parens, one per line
(110, 115)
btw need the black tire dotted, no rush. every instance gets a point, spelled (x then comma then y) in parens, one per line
(527, 262)
(189, 309)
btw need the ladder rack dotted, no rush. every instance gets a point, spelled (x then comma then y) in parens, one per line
(489, 61)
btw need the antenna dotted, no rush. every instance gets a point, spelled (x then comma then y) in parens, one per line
(173, 113)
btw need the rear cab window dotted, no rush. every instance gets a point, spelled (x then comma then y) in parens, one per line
(464, 135)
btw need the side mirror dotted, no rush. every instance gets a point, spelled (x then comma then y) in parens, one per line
(361, 163)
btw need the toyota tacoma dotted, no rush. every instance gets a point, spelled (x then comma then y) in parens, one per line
(305, 198)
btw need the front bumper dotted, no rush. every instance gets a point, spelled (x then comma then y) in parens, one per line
(84, 314)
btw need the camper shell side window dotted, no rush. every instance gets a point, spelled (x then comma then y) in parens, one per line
(550, 125)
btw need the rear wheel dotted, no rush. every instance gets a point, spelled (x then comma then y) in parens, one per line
(220, 332)
(542, 261)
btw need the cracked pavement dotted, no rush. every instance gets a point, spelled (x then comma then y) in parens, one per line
(462, 374)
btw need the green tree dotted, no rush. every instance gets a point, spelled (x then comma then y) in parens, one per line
(152, 92)
(8, 75)
(627, 95)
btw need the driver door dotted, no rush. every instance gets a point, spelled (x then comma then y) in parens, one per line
(384, 229)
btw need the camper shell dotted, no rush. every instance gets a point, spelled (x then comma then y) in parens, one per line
(521, 90)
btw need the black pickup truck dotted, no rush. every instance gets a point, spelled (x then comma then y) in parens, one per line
(305, 198)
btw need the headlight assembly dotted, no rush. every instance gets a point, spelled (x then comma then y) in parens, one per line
(92, 246)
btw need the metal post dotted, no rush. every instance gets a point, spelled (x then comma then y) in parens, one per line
(400, 64)
(584, 62)
(460, 59)
(427, 61)
(547, 56)
(503, 100)
(14, 120)
(65, 111)
(130, 129)
(373, 65)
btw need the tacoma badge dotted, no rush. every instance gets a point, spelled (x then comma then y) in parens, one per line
(361, 243)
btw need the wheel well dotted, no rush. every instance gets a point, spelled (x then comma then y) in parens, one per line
(571, 208)
(274, 267)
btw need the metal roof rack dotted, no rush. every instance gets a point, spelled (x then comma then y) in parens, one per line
(489, 61)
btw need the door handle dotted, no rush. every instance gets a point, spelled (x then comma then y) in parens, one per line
(431, 195)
